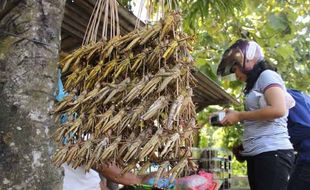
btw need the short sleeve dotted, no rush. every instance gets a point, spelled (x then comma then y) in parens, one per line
(269, 78)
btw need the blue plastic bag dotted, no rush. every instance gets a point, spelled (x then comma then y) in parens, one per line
(162, 183)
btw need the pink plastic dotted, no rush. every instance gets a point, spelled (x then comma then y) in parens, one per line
(202, 181)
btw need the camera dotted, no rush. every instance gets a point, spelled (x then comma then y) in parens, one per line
(216, 118)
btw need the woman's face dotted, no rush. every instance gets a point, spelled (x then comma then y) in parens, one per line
(239, 74)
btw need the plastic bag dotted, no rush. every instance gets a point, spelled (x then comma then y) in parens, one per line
(202, 181)
(162, 183)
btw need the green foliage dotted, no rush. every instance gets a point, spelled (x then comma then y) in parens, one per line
(278, 26)
(127, 3)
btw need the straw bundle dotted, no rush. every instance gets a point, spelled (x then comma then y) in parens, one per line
(130, 101)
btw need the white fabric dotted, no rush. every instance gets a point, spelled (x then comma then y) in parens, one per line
(289, 100)
(77, 179)
(250, 53)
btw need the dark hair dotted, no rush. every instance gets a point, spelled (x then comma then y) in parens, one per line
(253, 75)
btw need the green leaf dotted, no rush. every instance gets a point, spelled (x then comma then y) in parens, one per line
(286, 51)
(277, 22)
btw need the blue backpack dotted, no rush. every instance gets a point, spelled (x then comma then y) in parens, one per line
(299, 117)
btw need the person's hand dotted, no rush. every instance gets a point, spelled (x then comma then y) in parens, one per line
(113, 173)
(232, 117)
(146, 177)
(237, 152)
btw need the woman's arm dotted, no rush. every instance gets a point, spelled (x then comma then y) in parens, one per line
(275, 108)
(113, 173)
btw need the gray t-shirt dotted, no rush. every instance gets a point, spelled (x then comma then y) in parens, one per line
(264, 136)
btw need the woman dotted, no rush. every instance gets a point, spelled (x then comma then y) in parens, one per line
(266, 145)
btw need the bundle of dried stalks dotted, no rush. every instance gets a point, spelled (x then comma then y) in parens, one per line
(130, 101)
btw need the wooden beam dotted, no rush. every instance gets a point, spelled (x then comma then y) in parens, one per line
(75, 15)
(76, 25)
(71, 30)
(212, 86)
(70, 43)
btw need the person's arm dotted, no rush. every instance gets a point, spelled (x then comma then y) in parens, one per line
(114, 174)
(275, 108)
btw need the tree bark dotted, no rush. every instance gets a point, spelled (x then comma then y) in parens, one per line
(29, 46)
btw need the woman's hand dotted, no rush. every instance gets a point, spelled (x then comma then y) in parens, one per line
(113, 173)
(237, 152)
(232, 117)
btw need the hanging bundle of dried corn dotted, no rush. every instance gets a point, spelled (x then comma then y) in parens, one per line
(130, 101)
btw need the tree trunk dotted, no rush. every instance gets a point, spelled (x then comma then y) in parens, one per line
(29, 45)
